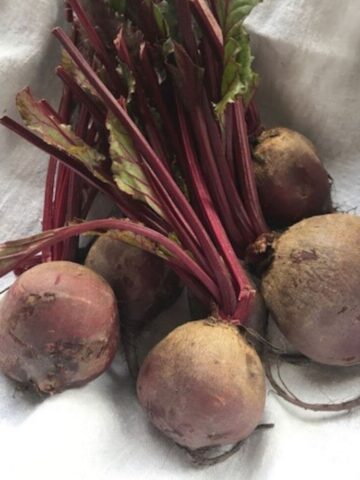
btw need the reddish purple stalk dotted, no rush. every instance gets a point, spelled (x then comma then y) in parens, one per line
(227, 295)
(178, 256)
(100, 49)
(242, 147)
(205, 259)
(209, 24)
(52, 201)
(208, 210)
(211, 30)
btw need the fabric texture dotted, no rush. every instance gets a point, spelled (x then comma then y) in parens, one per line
(307, 54)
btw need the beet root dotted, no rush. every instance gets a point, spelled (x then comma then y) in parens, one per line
(58, 327)
(312, 288)
(203, 385)
(292, 182)
(143, 283)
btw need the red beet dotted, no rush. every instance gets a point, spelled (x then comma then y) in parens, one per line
(292, 182)
(312, 288)
(203, 385)
(143, 283)
(58, 327)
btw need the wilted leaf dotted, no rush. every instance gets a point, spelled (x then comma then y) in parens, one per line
(126, 166)
(46, 124)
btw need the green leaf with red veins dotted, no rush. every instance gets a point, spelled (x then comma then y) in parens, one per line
(126, 166)
(47, 125)
(239, 79)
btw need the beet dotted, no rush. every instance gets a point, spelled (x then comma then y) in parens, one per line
(143, 283)
(203, 385)
(312, 288)
(58, 327)
(292, 182)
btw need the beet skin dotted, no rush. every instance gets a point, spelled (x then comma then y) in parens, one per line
(143, 283)
(312, 288)
(203, 385)
(292, 182)
(58, 327)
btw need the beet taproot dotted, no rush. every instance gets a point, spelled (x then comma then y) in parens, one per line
(291, 180)
(203, 385)
(58, 327)
(312, 288)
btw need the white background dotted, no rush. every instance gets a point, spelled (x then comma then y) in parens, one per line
(307, 53)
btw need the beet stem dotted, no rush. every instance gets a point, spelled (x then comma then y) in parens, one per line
(185, 27)
(234, 199)
(228, 300)
(209, 24)
(98, 45)
(250, 194)
(179, 257)
(50, 197)
(211, 216)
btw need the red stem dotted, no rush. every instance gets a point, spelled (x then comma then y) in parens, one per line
(212, 71)
(209, 23)
(179, 223)
(155, 140)
(234, 199)
(247, 177)
(185, 27)
(47, 222)
(153, 88)
(48, 109)
(50, 198)
(178, 257)
(214, 181)
(255, 127)
(250, 196)
(99, 47)
(228, 140)
(227, 294)
(73, 201)
(68, 13)
(240, 277)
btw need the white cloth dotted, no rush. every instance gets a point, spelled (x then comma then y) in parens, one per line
(308, 56)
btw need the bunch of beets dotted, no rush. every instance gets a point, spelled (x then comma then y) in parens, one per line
(158, 115)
